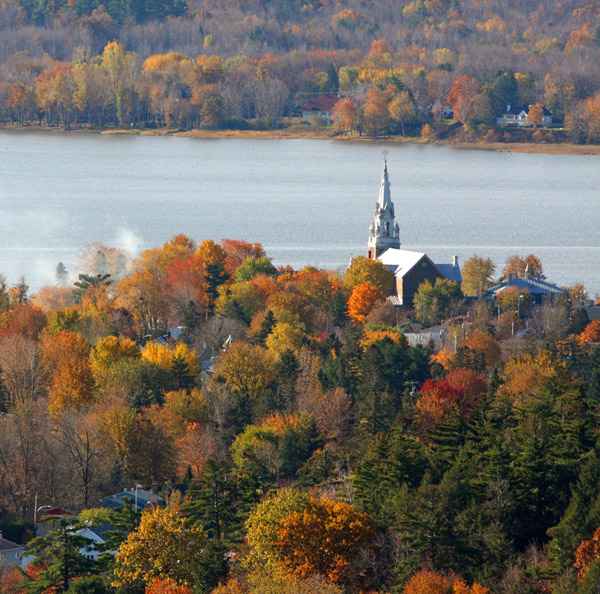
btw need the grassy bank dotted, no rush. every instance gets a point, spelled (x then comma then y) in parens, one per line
(304, 132)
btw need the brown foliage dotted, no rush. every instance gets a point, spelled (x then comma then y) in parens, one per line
(27, 320)
(587, 552)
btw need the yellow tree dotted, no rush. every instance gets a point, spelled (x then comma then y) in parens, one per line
(110, 350)
(164, 546)
(477, 276)
(214, 261)
(526, 374)
(248, 370)
(165, 357)
(116, 423)
(66, 357)
(402, 109)
(363, 270)
(285, 336)
(121, 69)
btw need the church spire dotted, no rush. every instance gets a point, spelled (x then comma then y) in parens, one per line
(384, 232)
(385, 197)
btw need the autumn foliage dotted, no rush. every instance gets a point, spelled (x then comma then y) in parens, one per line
(362, 300)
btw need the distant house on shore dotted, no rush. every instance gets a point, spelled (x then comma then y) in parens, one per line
(321, 106)
(410, 268)
(516, 116)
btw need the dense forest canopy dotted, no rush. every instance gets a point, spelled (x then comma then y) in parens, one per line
(231, 63)
(300, 442)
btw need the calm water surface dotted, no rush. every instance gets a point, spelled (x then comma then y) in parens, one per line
(306, 201)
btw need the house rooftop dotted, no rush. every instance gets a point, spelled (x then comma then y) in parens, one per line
(321, 103)
(143, 497)
(8, 545)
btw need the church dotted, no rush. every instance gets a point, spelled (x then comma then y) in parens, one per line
(410, 268)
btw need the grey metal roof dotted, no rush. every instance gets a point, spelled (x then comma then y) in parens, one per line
(535, 286)
(8, 545)
(451, 272)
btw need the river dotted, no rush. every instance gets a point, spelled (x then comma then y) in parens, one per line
(306, 201)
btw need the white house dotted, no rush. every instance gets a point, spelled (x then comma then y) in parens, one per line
(516, 117)
(321, 106)
(95, 534)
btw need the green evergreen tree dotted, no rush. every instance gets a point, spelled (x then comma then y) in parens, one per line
(180, 372)
(212, 568)
(191, 321)
(581, 517)
(288, 369)
(213, 503)
(215, 276)
(86, 281)
(266, 328)
(58, 553)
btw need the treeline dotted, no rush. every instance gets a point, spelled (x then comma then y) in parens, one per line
(254, 64)
(300, 443)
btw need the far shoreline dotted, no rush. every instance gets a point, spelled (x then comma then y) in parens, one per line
(311, 134)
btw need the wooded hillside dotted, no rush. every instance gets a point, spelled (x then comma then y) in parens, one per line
(239, 64)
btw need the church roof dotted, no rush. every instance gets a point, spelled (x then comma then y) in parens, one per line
(450, 271)
(400, 262)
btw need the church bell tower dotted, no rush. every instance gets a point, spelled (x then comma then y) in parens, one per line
(384, 232)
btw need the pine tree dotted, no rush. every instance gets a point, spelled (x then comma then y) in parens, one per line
(62, 276)
(581, 517)
(215, 276)
(266, 328)
(287, 369)
(191, 321)
(180, 371)
(213, 503)
(58, 553)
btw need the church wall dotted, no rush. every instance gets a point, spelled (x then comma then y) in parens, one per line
(409, 285)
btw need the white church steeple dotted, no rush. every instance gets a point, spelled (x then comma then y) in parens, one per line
(384, 232)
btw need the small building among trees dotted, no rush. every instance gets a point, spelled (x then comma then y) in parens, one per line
(321, 106)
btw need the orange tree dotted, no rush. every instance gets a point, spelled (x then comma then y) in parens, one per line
(305, 535)
(362, 300)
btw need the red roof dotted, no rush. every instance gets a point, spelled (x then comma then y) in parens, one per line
(321, 103)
